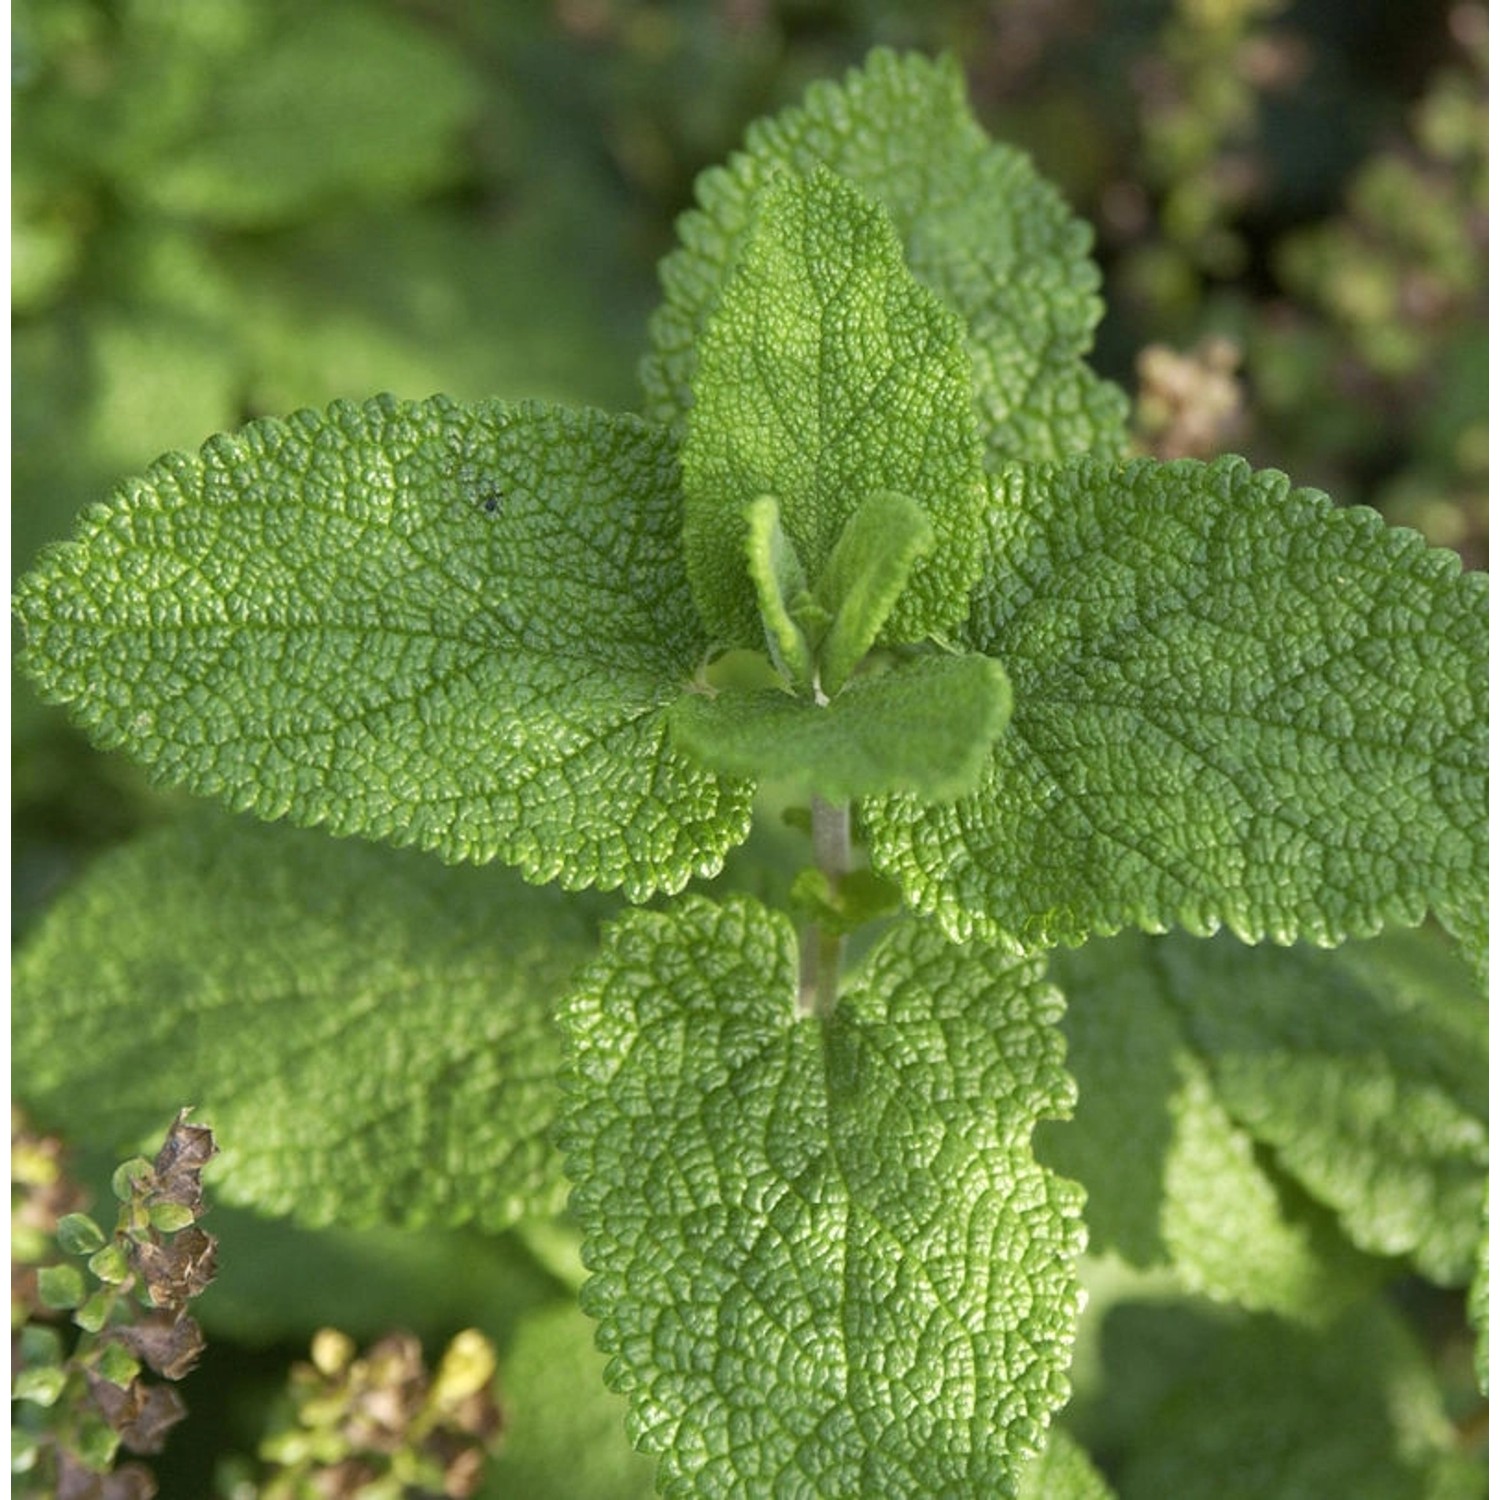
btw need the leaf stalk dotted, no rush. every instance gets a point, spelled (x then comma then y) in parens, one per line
(822, 950)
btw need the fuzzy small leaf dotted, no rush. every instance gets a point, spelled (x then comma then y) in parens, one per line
(825, 374)
(865, 576)
(454, 627)
(60, 1287)
(925, 724)
(978, 226)
(1235, 705)
(41, 1387)
(1364, 1071)
(767, 1199)
(781, 590)
(369, 1030)
(77, 1234)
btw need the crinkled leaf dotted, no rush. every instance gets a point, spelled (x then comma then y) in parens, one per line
(369, 1031)
(455, 627)
(1235, 705)
(767, 1200)
(1172, 1177)
(1273, 1410)
(926, 723)
(1365, 1071)
(978, 225)
(827, 373)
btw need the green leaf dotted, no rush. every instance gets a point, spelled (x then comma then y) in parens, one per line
(1235, 705)
(111, 1263)
(168, 1218)
(95, 1312)
(565, 1437)
(1172, 1177)
(212, 118)
(455, 627)
(781, 590)
(1272, 1410)
(1365, 1072)
(60, 1287)
(1063, 1471)
(117, 1364)
(77, 1234)
(925, 723)
(865, 576)
(766, 1200)
(40, 1387)
(979, 227)
(368, 1031)
(825, 374)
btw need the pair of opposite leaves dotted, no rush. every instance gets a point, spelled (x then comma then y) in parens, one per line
(1232, 703)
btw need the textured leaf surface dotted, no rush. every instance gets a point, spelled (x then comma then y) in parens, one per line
(1271, 1410)
(926, 724)
(368, 1031)
(978, 225)
(824, 1259)
(825, 374)
(1365, 1071)
(1234, 705)
(1172, 1178)
(455, 627)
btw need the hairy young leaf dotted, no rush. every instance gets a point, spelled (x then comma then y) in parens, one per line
(368, 1031)
(782, 594)
(1235, 705)
(978, 225)
(1172, 1178)
(864, 577)
(454, 627)
(825, 1261)
(825, 374)
(1365, 1071)
(925, 724)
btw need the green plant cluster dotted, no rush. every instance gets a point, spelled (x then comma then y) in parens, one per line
(830, 1137)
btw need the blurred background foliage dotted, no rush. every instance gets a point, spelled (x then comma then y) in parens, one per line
(231, 210)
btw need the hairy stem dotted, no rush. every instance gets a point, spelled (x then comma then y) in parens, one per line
(823, 951)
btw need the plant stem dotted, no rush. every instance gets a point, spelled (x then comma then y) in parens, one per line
(823, 951)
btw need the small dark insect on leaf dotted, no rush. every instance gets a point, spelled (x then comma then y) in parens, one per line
(492, 503)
